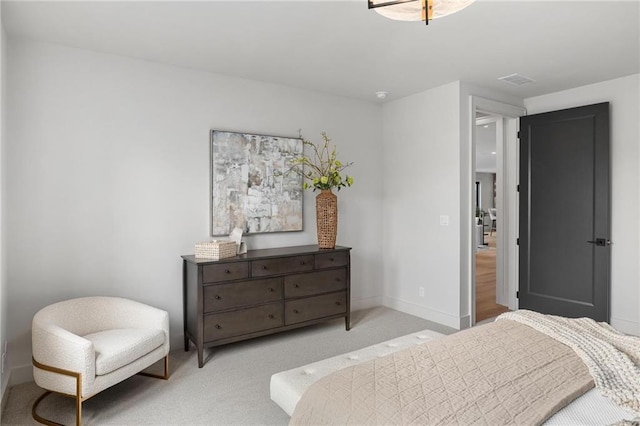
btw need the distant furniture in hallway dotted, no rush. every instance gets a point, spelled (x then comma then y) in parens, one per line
(493, 216)
(480, 235)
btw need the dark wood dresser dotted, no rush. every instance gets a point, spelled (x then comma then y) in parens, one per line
(263, 292)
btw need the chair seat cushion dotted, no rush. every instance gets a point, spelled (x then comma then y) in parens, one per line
(119, 347)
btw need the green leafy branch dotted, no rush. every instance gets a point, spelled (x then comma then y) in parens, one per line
(323, 170)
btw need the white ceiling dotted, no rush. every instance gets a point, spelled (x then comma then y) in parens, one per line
(340, 47)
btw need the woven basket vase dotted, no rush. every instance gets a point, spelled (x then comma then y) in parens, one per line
(327, 218)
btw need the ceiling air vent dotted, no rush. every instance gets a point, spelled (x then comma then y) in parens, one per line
(516, 79)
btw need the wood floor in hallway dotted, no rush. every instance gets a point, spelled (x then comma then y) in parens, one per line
(486, 306)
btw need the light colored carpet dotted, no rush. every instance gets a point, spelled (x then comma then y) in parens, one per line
(233, 386)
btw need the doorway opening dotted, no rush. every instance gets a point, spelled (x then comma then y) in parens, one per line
(487, 225)
(505, 118)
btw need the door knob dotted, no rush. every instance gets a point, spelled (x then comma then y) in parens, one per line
(601, 242)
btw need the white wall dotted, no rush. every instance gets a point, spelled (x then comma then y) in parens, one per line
(624, 96)
(487, 199)
(4, 376)
(485, 145)
(108, 176)
(422, 182)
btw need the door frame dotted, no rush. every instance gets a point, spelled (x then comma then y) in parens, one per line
(507, 151)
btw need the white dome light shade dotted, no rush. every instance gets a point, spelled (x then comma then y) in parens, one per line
(412, 11)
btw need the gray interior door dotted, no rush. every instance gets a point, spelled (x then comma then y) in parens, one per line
(564, 212)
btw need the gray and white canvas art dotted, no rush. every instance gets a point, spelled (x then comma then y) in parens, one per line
(250, 186)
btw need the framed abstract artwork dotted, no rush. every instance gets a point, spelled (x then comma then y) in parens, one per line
(250, 186)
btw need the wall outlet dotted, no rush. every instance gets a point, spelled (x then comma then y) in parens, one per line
(421, 291)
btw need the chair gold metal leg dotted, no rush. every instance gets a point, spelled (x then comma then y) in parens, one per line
(77, 396)
(35, 415)
(166, 367)
(165, 376)
(78, 409)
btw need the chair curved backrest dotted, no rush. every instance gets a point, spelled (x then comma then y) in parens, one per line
(87, 315)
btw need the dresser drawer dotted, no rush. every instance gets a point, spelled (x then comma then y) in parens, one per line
(241, 293)
(282, 265)
(330, 260)
(311, 308)
(242, 321)
(315, 282)
(225, 272)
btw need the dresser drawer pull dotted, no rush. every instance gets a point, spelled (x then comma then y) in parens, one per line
(338, 303)
(295, 311)
(226, 271)
(271, 289)
(218, 326)
(296, 285)
(264, 267)
(217, 297)
(271, 316)
(338, 279)
(302, 262)
(331, 259)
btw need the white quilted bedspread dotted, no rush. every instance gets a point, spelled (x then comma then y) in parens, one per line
(496, 374)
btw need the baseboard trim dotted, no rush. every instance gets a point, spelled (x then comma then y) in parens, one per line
(5, 393)
(426, 313)
(21, 375)
(626, 326)
(465, 322)
(366, 303)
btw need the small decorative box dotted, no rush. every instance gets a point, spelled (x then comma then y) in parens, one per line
(215, 249)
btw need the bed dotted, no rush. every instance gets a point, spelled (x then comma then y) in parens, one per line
(524, 368)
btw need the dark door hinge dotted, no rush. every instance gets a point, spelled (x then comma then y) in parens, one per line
(517, 295)
(518, 188)
(518, 241)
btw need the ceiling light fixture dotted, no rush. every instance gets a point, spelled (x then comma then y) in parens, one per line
(381, 95)
(417, 10)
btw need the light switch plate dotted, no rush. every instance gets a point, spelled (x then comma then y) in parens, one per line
(444, 220)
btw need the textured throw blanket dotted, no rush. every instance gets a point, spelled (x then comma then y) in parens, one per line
(503, 373)
(613, 358)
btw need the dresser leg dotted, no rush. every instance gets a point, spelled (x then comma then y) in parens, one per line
(347, 323)
(200, 356)
(186, 343)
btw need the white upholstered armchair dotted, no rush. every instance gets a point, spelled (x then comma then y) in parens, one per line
(83, 346)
